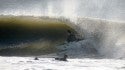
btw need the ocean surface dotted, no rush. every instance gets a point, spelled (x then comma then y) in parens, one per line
(29, 36)
(38, 28)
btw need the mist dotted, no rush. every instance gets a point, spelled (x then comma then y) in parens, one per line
(103, 9)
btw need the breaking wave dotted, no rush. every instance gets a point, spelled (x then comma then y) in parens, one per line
(28, 35)
(99, 38)
(102, 38)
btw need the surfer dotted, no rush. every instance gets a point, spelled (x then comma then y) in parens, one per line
(71, 37)
(36, 58)
(62, 59)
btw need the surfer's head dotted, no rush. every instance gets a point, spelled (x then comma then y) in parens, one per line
(65, 56)
(68, 31)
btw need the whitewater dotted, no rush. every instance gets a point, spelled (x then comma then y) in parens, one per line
(27, 63)
(100, 38)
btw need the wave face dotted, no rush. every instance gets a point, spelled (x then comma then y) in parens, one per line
(99, 38)
(27, 35)
(102, 38)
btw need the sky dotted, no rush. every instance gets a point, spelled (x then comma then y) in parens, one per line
(104, 9)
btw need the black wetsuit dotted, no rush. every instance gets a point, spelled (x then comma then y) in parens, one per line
(71, 36)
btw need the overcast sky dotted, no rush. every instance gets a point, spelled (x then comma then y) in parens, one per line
(106, 9)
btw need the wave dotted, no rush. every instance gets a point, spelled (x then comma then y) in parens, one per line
(102, 38)
(99, 38)
(28, 35)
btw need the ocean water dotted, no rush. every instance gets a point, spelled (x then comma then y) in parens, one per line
(28, 36)
(31, 35)
(102, 38)
(27, 63)
(38, 28)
